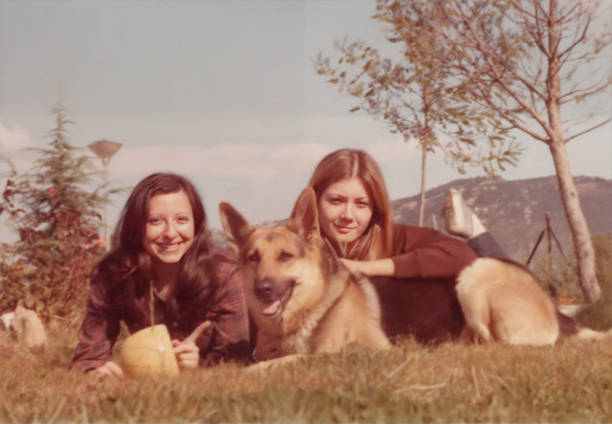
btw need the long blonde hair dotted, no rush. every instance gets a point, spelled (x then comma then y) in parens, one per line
(377, 241)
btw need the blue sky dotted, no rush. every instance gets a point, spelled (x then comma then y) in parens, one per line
(224, 92)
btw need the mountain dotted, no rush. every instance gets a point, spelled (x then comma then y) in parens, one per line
(515, 211)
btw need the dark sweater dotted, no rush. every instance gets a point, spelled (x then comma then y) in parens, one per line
(225, 308)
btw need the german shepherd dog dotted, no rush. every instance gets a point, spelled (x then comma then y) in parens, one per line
(302, 299)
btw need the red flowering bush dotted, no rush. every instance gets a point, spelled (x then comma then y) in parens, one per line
(53, 207)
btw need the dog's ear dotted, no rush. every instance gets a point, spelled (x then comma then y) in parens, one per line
(304, 219)
(236, 227)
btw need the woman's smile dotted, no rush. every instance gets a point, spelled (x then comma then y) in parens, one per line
(169, 247)
(344, 229)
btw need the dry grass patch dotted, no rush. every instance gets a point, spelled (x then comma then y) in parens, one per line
(571, 382)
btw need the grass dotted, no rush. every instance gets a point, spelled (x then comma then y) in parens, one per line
(570, 382)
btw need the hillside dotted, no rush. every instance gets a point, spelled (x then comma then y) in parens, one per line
(514, 211)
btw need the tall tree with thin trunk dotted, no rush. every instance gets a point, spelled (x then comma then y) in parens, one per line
(520, 60)
(419, 99)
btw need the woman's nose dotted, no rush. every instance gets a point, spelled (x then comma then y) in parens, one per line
(347, 212)
(170, 231)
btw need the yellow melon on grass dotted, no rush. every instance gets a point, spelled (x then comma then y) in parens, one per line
(148, 352)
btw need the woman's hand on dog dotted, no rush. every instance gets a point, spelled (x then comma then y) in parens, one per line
(376, 268)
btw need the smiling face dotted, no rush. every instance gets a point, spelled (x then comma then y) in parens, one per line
(345, 210)
(169, 228)
(280, 278)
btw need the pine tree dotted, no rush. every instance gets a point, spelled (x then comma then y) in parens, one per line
(54, 208)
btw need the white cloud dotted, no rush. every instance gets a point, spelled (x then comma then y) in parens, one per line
(221, 161)
(392, 151)
(241, 160)
(12, 139)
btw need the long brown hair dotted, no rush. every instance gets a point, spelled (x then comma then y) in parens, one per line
(376, 242)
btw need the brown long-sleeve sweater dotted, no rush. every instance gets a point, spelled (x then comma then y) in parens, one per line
(423, 253)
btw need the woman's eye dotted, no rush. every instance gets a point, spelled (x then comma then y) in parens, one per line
(183, 220)
(153, 221)
(284, 256)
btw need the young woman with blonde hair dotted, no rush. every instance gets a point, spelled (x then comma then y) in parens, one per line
(355, 219)
(413, 268)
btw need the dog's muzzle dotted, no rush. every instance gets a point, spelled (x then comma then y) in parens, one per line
(273, 295)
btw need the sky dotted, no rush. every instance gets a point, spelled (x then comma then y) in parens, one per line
(223, 92)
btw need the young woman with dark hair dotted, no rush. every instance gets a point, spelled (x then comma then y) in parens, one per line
(163, 269)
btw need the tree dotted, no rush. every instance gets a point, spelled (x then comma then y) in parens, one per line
(519, 59)
(419, 99)
(53, 207)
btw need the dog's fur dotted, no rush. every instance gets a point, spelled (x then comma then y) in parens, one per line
(503, 301)
(302, 299)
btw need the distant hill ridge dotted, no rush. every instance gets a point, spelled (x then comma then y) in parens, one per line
(513, 210)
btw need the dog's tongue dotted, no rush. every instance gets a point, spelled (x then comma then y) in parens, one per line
(272, 308)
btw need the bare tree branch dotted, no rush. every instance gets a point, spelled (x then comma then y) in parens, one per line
(577, 95)
(594, 127)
